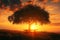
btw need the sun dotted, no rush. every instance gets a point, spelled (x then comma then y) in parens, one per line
(34, 27)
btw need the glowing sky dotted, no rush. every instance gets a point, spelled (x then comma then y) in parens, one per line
(53, 7)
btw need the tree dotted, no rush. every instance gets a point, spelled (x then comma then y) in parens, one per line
(28, 14)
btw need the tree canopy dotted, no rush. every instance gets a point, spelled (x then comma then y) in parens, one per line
(30, 13)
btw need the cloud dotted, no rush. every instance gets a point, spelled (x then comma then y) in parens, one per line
(44, 1)
(55, 1)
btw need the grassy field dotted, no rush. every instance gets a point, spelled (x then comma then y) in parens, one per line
(25, 35)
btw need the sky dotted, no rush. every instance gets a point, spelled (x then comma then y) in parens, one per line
(52, 6)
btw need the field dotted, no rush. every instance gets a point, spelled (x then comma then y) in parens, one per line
(25, 35)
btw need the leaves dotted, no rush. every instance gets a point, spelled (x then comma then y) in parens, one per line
(30, 13)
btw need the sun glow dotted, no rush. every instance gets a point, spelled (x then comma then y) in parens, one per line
(34, 26)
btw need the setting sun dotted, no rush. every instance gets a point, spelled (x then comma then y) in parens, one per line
(34, 26)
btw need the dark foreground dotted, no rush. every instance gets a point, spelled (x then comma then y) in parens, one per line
(16, 35)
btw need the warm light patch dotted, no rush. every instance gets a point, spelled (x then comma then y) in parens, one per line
(34, 26)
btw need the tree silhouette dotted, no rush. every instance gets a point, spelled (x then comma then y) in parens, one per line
(30, 13)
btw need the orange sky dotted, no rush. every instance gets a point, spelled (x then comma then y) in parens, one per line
(54, 26)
